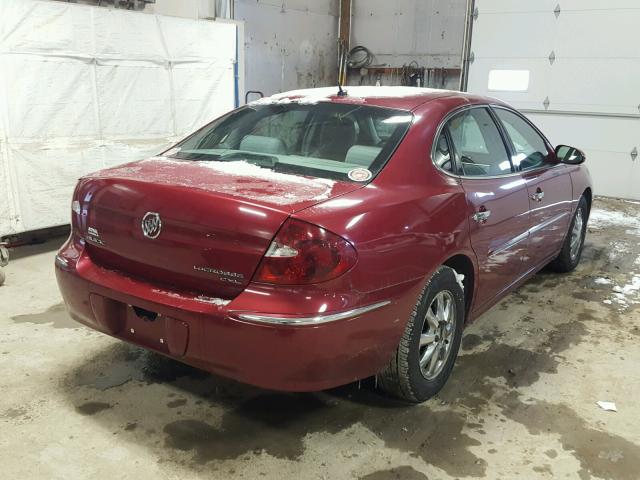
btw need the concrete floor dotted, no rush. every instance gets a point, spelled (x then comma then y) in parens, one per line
(521, 402)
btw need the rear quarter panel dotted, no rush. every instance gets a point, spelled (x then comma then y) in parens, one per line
(407, 221)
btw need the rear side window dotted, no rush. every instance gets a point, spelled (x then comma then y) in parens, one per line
(325, 140)
(478, 146)
(442, 155)
(530, 148)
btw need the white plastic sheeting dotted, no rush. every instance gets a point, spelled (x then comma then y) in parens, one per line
(84, 88)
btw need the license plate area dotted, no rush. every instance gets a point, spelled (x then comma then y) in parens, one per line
(145, 327)
(158, 332)
(141, 326)
(144, 314)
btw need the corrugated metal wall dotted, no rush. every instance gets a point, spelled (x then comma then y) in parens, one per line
(292, 44)
(289, 44)
(428, 32)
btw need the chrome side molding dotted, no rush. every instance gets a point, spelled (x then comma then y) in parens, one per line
(312, 320)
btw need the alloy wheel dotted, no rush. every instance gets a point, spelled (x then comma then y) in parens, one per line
(437, 334)
(576, 235)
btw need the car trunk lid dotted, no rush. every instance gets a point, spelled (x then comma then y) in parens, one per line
(190, 225)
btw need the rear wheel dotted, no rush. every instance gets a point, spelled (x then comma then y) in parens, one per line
(571, 252)
(429, 346)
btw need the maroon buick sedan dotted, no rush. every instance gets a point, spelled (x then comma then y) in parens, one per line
(311, 239)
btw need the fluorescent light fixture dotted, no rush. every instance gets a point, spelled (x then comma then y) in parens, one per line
(509, 80)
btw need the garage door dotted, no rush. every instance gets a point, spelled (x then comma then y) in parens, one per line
(573, 66)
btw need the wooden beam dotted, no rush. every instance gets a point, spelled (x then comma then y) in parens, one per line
(344, 27)
(344, 39)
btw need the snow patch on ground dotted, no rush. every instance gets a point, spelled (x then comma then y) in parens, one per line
(602, 281)
(629, 294)
(602, 219)
(616, 249)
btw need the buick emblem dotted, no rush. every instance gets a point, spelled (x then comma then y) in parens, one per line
(151, 225)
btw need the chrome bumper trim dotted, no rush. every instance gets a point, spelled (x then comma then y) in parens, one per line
(62, 262)
(314, 320)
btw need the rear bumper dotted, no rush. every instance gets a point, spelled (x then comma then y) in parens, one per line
(352, 338)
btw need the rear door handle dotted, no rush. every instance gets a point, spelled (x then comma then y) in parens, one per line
(481, 216)
(537, 196)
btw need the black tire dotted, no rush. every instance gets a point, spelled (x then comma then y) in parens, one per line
(567, 260)
(404, 377)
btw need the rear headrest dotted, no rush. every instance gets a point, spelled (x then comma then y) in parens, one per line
(362, 155)
(260, 144)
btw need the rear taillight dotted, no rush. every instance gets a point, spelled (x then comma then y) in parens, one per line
(303, 253)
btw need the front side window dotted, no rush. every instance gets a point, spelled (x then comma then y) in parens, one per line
(325, 140)
(478, 145)
(530, 148)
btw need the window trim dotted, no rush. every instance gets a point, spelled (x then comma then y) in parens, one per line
(441, 129)
(488, 106)
(550, 150)
(452, 156)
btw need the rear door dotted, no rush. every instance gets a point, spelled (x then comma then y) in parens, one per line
(497, 200)
(548, 185)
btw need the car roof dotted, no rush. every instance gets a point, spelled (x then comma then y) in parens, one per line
(405, 98)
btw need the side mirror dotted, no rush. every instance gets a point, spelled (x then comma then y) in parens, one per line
(570, 155)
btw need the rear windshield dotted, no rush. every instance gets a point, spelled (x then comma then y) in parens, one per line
(326, 140)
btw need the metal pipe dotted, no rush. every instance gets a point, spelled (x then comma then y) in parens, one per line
(466, 45)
